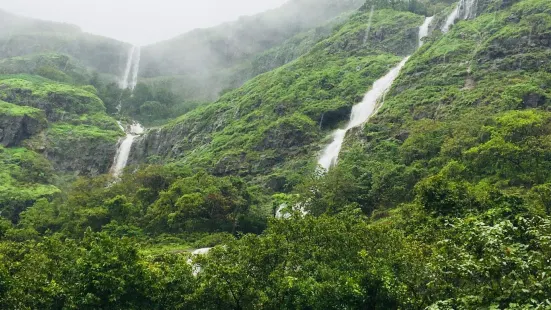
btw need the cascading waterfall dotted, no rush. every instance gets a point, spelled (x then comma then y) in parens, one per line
(360, 114)
(130, 75)
(470, 9)
(365, 109)
(465, 9)
(129, 81)
(195, 267)
(123, 153)
(135, 67)
(129, 64)
(451, 19)
(424, 29)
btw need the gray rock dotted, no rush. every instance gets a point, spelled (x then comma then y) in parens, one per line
(14, 129)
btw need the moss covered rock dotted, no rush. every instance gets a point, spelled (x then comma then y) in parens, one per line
(59, 101)
(19, 123)
(81, 149)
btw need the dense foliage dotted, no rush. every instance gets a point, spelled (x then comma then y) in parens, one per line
(441, 201)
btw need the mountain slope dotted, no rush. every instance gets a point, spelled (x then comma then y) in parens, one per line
(49, 130)
(274, 125)
(440, 201)
(476, 97)
(196, 58)
(21, 36)
(278, 120)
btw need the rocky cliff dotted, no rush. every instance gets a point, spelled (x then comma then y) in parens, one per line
(19, 123)
(66, 123)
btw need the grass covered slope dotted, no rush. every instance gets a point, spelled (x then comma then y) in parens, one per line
(475, 98)
(56, 99)
(80, 136)
(25, 177)
(278, 120)
(48, 126)
(53, 66)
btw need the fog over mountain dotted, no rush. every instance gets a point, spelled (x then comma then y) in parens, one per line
(289, 154)
(139, 22)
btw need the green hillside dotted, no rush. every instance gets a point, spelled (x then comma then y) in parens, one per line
(276, 122)
(442, 200)
(49, 130)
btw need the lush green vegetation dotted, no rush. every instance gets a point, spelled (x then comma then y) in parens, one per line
(25, 177)
(56, 98)
(15, 110)
(441, 201)
(272, 126)
(57, 67)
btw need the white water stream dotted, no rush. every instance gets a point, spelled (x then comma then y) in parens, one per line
(130, 75)
(135, 67)
(123, 153)
(196, 268)
(424, 29)
(360, 114)
(465, 9)
(451, 19)
(124, 81)
(134, 130)
(368, 30)
(363, 111)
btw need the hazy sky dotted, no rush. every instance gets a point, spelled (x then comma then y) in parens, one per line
(139, 21)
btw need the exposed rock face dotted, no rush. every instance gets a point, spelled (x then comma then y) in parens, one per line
(83, 156)
(75, 133)
(171, 142)
(16, 128)
(331, 118)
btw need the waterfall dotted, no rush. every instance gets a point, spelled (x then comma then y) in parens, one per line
(424, 29)
(465, 9)
(202, 251)
(195, 268)
(360, 114)
(121, 158)
(129, 80)
(135, 68)
(331, 152)
(129, 63)
(365, 109)
(130, 76)
(470, 9)
(451, 19)
(366, 36)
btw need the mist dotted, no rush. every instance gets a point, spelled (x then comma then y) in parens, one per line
(197, 62)
(138, 22)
